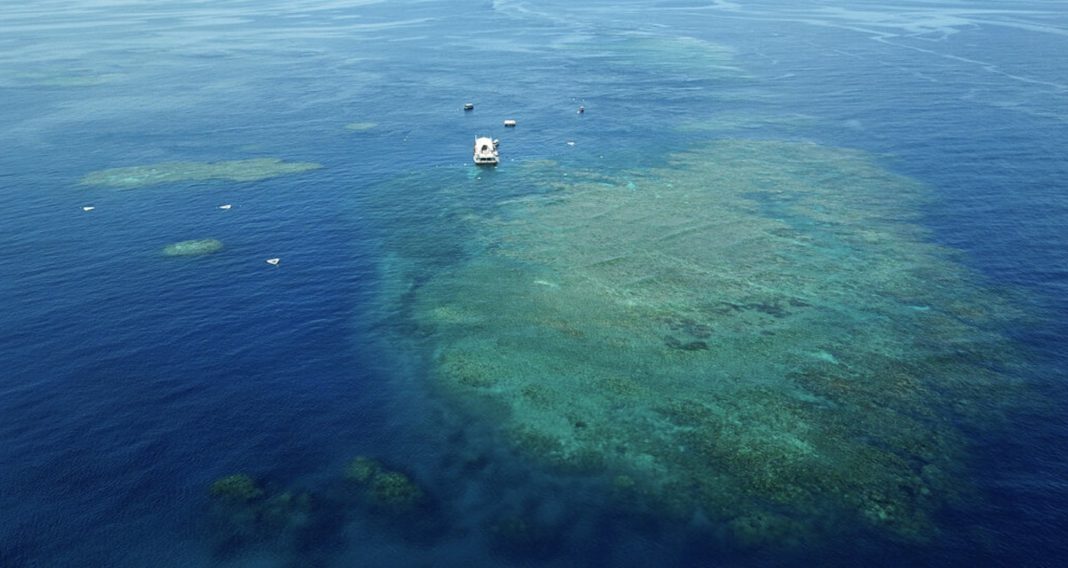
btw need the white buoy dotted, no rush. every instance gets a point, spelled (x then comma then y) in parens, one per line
(88, 208)
(273, 261)
(227, 206)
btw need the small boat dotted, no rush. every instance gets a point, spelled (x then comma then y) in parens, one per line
(510, 122)
(273, 261)
(226, 206)
(469, 106)
(486, 153)
(88, 208)
(581, 110)
(570, 143)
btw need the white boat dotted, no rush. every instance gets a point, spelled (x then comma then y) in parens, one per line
(273, 261)
(510, 122)
(227, 206)
(486, 151)
(88, 208)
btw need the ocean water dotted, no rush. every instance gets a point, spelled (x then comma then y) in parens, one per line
(791, 291)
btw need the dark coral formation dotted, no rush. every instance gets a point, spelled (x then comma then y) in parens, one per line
(246, 513)
(674, 343)
(386, 490)
(523, 537)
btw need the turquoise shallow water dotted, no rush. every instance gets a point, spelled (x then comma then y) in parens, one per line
(134, 380)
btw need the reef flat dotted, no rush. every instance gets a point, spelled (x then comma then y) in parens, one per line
(758, 332)
(169, 172)
(193, 248)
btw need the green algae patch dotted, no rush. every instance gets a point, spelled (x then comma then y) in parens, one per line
(733, 334)
(170, 172)
(360, 126)
(195, 247)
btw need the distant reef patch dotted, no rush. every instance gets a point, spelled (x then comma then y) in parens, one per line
(360, 126)
(59, 79)
(195, 247)
(255, 169)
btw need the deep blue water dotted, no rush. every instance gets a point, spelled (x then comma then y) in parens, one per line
(132, 381)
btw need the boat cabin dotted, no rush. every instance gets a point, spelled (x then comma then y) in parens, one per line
(486, 151)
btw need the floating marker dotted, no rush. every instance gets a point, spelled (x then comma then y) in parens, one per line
(88, 208)
(227, 206)
(273, 261)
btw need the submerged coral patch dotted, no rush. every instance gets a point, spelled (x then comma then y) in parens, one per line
(169, 172)
(360, 126)
(193, 248)
(239, 488)
(245, 513)
(690, 55)
(382, 488)
(58, 77)
(735, 337)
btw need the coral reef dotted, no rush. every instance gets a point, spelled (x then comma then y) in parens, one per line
(193, 248)
(395, 490)
(237, 488)
(689, 55)
(62, 78)
(362, 469)
(245, 513)
(734, 334)
(383, 489)
(170, 172)
(360, 126)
